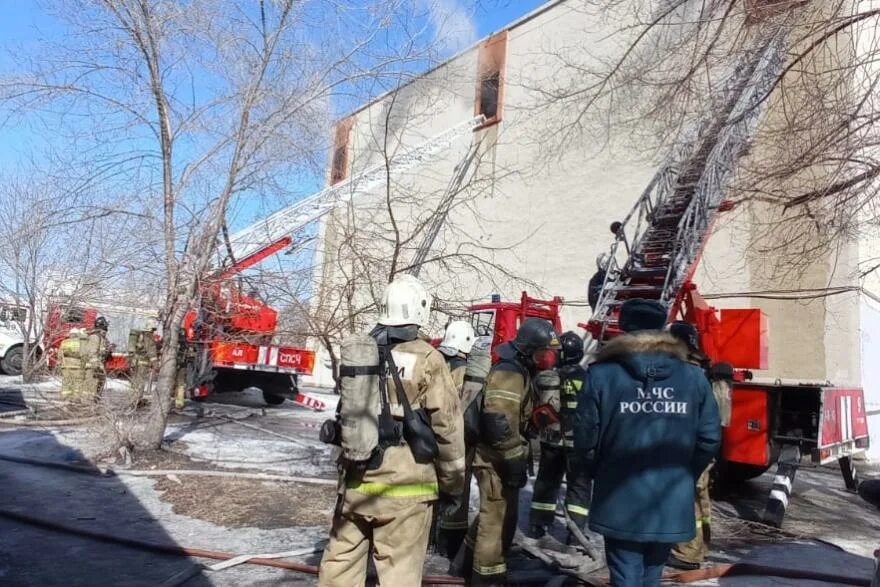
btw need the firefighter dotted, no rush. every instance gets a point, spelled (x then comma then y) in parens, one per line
(73, 371)
(647, 426)
(82, 362)
(143, 356)
(501, 461)
(594, 288)
(99, 350)
(387, 510)
(690, 555)
(458, 340)
(456, 345)
(558, 458)
(185, 362)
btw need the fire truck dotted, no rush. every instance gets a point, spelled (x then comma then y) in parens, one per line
(228, 342)
(654, 255)
(498, 321)
(229, 333)
(62, 317)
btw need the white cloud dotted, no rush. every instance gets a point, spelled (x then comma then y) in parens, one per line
(453, 24)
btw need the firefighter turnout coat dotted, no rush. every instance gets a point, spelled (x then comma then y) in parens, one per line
(507, 405)
(391, 506)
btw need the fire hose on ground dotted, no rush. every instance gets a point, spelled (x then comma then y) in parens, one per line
(716, 571)
(724, 570)
(176, 550)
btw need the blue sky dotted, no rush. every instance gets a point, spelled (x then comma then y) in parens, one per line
(494, 16)
(26, 22)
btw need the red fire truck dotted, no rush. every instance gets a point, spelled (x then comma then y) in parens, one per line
(228, 340)
(499, 320)
(655, 254)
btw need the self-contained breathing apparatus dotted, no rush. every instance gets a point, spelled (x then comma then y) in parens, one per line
(479, 363)
(364, 426)
(545, 415)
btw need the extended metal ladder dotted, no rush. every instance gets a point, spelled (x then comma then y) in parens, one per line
(658, 245)
(294, 218)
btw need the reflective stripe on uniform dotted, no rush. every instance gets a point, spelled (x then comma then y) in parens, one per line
(513, 453)
(706, 520)
(502, 394)
(578, 509)
(492, 570)
(568, 443)
(453, 524)
(544, 507)
(571, 405)
(385, 490)
(699, 523)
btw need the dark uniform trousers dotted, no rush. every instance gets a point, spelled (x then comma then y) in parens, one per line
(558, 460)
(556, 463)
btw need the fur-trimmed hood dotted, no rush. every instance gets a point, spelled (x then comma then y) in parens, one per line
(641, 352)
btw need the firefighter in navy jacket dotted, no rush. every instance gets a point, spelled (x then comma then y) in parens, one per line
(647, 426)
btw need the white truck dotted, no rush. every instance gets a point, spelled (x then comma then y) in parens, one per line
(12, 316)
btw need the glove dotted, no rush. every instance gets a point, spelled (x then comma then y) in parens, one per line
(515, 473)
(446, 505)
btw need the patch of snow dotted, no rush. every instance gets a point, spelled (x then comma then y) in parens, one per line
(247, 449)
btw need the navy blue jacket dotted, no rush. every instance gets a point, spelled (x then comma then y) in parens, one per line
(647, 425)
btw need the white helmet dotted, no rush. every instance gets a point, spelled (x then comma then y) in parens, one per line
(602, 261)
(459, 338)
(406, 301)
(151, 324)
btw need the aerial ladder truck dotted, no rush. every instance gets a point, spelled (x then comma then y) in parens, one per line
(655, 253)
(229, 334)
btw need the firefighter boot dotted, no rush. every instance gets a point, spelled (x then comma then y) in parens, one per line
(450, 541)
(537, 530)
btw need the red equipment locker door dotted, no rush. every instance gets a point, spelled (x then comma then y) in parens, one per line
(746, 440)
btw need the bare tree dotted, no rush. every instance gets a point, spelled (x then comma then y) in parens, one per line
(198, 108)
(59, 245)
(812, 178)
(407, 223)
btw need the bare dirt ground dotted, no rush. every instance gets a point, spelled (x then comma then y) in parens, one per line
(827, 528)
(244, 503)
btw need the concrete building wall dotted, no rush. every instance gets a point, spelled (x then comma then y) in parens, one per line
(546, 214)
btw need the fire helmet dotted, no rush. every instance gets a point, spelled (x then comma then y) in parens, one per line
(687, 333)
(459, 338)
(405, 301)
(571, 348)
(101, 323)
(533, 335)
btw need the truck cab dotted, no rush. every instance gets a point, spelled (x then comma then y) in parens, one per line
(497, 321)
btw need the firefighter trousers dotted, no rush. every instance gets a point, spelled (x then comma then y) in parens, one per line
(697, 549)
(491, 534)
(557, 463)
(398, 532)
(454, 527)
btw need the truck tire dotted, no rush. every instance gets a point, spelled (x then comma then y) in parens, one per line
(12, 362)
(273, 399)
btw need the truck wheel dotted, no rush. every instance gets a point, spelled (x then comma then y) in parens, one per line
(13, 361)
(273, 399)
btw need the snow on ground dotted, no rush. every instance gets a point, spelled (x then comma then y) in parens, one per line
(285, 443)
(124, 506)
(820, 507)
